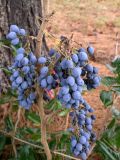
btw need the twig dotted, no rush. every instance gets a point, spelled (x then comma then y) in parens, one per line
(116, 46)
(15, 129)
(67, 122)
(20, 140)
(40, 91)
(36, 146)
(65, 155)
(43, 124)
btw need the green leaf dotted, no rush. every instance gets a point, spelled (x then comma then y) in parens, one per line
(106, 97)
(7, 71)
(26, 153)
(116, 63)
(116, 89)
(112, 123)
(33, 117)
(5, 99)
(58, 105)
(111, 68)
(2, 142)
(14, 50)
(50, 104)
(9, 123)
(106, 149)
(64, 113)
(116, 137)
(5, 42)
(108, 81)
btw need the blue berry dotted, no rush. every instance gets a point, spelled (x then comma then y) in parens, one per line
(91, 110)
(95, 70)
(89, 127)
(87, 135)
(81, 50)
(83, 156)
(44, 71)
(96, 80)
(90, 50)
(63, 64)
(70, 81)
(19, 80)
(32, 96)
(66, 97)
(57, 55)
(82, 56)
(89, 68)
(26, 69)
(73, 142)
(82, 140)
(51, 52)
(32, 58)
(14, 28)
(11, 35)
(25, 61)
(76, 95)
(12, 78)
(16, 74)
(93, 117)
(24, 85)
(14, 85)
(20, 51)
(88, 120)
(22, 32)
(68, 106)
(50, 79)
(80, 81)
(69, 64)
(15, 41)
(75, 58)
(79, 147)
(65, 90)
(74, 88)
(76, 72)
(19, 57)
(42, 60)
(43, 83)
(76, 152)
(72, 101)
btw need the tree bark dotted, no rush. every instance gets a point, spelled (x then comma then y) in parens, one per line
(20, 12)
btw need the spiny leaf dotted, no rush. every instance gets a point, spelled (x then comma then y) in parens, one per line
(106, 97)
(63, 113)
(5, 99)
(108, 81)
(32, 116)
(7, 71)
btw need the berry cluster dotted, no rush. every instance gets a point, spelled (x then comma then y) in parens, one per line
(67, 74)
(83, 135)
(23, 71)
(14, 34)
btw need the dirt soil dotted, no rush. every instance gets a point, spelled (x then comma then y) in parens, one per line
(96, 22)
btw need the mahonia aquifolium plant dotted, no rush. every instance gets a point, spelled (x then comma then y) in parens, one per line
(69, 74)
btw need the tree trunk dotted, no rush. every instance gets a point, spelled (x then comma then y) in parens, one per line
(23, 13)
(20, 12)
